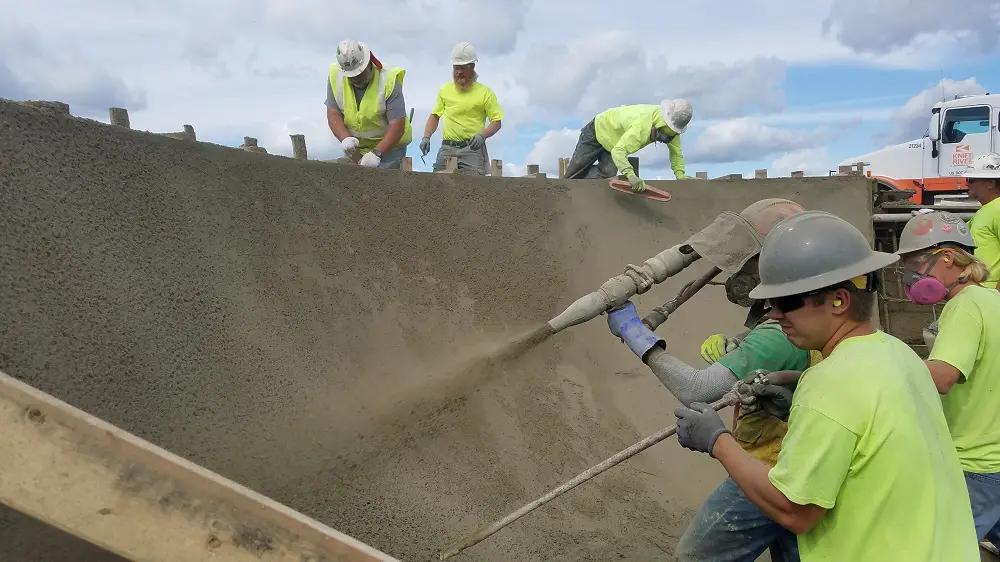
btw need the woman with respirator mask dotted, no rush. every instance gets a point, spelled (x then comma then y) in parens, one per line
(936, 250)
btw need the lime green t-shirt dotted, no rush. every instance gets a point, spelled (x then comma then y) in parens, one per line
(969, 340)
(985, 229)
(465, 113)
(765, 347)
(867, 439)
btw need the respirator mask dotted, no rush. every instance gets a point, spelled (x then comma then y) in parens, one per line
(921, 288)
(738, 287)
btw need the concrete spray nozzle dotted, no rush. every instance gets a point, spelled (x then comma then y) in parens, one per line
(727, 243)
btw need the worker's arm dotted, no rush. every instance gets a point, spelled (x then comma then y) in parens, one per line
(750, 474)
(956, 347)
(686, 383)
(431, 125)
(395, 112)
(334, 115)
(945, 376)
(636, 137)
(815, 458)
(494, 113)
(676, 157)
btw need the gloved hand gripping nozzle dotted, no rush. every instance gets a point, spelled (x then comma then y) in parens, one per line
(635, 281)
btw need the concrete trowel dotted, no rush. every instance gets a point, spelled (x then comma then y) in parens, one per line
(622, 185)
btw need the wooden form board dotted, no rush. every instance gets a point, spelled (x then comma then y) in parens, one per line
(130, 497)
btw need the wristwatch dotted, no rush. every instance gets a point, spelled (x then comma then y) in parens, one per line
(378, 153)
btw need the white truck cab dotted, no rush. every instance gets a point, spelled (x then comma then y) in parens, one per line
(960, 130)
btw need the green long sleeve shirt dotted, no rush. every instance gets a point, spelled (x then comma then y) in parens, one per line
(624, 130)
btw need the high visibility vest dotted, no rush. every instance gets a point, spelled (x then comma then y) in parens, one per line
(368, 123)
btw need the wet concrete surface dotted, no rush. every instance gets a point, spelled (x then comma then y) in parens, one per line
(299, 327)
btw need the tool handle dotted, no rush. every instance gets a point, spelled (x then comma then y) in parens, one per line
(623, 455)
(660, 314)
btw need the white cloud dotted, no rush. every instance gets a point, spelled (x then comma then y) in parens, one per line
(912, 118)
(747, 138)
(29, 69)
(590, 78)
(551, 147)
(812, 161)
(885, 26)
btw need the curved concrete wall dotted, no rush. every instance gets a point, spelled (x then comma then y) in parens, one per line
(310, 330)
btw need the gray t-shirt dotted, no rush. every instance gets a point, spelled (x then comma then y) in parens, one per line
(395, 105)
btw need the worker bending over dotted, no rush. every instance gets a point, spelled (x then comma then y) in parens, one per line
(937, 254)
(729, 527)
(466, 104)
(365, 108)
(867, 470)
(618, 132)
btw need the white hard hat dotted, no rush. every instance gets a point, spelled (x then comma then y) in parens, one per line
(677, 114)
(353, 57)
(986, 166)
(463, 53)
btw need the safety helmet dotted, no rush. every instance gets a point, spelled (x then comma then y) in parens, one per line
(930, 229)
(677, 113)
(986, 166)
(463, 53)
(353, 57)
(813, 250)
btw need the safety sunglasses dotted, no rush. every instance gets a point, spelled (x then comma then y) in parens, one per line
(792, 303)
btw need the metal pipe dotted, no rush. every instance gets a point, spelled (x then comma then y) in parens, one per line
(903, 217)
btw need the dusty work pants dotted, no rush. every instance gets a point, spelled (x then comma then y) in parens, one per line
(984, 494)
(468, 159)
(588, 150)
(730, 528)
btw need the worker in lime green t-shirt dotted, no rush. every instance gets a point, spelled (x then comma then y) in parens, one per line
(608, 140)
(984, 186)
(867, 470)
(465, 103)
(937, 253)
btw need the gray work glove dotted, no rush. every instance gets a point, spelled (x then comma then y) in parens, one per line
(637, 183)
(425, 145)
(773, 399)
(477, 141)
(698, 427)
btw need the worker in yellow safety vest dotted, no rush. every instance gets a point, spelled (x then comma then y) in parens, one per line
(365, 107)
(616, 133)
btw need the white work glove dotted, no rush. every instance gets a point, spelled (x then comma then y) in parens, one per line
(349, 144)
(370, 160)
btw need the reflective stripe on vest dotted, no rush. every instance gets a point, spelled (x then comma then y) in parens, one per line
(338, 94)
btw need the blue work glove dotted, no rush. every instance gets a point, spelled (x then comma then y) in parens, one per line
(625, 324)
(698, 427)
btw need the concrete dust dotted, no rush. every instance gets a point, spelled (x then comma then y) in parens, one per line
(359, 344)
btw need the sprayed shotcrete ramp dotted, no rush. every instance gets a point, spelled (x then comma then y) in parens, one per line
(315, 331)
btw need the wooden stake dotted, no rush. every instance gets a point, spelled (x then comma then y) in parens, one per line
(496, 168)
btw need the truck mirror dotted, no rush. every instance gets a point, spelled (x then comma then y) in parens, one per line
(934, 131)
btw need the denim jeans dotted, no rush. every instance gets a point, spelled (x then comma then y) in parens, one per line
(984, 494)
(730, 528)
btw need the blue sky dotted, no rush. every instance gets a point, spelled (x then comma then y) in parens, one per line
(775, 84)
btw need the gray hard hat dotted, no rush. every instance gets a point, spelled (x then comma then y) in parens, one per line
(813, 250)
(930, 229)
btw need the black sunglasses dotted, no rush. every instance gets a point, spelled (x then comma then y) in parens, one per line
(792, 303)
